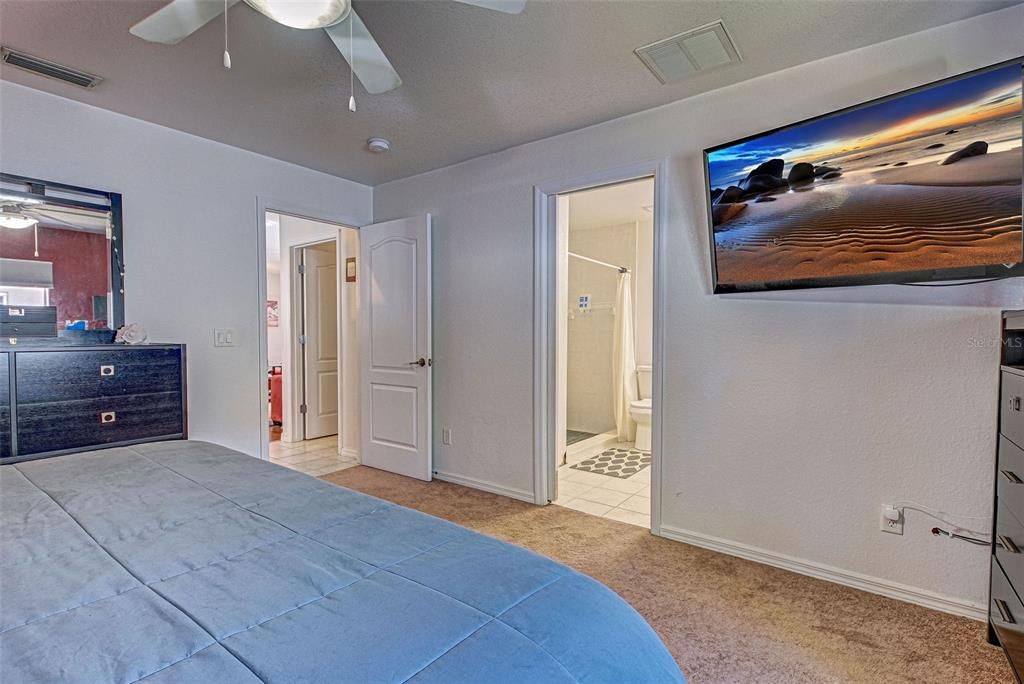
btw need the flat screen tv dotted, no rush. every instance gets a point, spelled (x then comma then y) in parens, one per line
(924, 185)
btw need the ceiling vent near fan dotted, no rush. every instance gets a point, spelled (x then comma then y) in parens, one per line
(676, 57)
(44, 67)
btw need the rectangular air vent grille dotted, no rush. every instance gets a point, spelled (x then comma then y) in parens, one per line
(45, 67)
(683, 54)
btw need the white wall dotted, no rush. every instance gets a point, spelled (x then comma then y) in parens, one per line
(275, 337)
(192, 242)
(643, 280)
(789, 418)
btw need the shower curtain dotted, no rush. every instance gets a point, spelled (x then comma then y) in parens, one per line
(624, 383)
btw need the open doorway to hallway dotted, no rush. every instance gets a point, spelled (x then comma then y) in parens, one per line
(605, 287)
(311, 354)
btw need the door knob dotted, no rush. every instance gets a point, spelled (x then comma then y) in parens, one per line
(421, 362)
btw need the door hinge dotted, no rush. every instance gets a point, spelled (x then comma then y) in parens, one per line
(302, 408)
(302, 269)
(302, 339)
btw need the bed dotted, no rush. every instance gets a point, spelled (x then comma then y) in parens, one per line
(185, 561)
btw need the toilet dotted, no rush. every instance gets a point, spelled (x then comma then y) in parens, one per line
(640, 410)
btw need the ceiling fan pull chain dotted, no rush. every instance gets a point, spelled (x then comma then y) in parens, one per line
(227, 55)
(351, 66)
(36, 228)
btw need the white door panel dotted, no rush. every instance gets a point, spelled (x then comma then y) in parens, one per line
(395, 346)
(320, 304)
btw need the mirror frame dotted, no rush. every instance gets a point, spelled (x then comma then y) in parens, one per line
(78, 197)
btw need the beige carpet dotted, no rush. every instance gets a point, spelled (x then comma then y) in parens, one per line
(724, 619)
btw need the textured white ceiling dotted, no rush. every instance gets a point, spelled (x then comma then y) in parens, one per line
(612, 205)
(475, 81)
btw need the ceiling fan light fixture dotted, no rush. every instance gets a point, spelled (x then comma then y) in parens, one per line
(16, 221)
(303, 14)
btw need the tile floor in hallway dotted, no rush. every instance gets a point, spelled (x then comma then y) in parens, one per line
(314, 457)
(626, 500)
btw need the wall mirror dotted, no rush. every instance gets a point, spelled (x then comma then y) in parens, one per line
(60, 260)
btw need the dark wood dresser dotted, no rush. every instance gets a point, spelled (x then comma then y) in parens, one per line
(1006, 602)
(62, 399)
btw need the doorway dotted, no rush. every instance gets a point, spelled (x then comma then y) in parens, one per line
(598, 343)
(311, 340)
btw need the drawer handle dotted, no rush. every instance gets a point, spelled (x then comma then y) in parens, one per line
(108, 417)
(1008, 544)
(1004, 612)
(1012, 476)
(106, 371)
(15, 312)
(1015, 403)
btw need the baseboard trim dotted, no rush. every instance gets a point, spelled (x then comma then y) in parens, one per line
(874, 585)
(491, 487)
(349, 453)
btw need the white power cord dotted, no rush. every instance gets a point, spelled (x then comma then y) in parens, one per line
(943, 516)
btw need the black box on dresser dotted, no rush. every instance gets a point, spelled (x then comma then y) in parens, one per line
(58, 399)
(1006, 590)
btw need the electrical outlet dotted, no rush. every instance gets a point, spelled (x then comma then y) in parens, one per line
(891, 520)
(446, 436)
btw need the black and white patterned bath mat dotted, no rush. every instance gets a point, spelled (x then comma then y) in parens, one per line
(616, 462)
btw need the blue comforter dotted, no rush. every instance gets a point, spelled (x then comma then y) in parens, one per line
(190, 562)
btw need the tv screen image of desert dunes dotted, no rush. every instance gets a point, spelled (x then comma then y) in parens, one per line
(926, 180)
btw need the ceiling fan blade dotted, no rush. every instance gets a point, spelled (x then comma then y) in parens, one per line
(178, 19)
(506, 6)
(371, 65)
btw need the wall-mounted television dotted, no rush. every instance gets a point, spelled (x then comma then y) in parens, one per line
(923, 185)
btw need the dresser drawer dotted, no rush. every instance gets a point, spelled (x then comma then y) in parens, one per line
(5, 408)
(68, 375)
(1010, 477)
(1009, 546)
(1011, 412)
(1006, 614)
(56, 426)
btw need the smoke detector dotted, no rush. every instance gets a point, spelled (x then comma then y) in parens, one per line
(378, 145)
(676, 57)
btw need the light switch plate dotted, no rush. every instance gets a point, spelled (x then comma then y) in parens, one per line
(224, 337)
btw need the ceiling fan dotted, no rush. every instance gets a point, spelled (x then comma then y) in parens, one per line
(179, 19)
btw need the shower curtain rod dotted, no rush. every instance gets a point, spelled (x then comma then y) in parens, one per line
(620, 269)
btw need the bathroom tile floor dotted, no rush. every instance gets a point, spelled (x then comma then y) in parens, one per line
(314, 457)
(626, 500)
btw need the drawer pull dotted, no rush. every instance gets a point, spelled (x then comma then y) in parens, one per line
(1004, 612)
(1015, 403)
(106, 371)
(108, 417)
(15, 312)
(1008, 544)
(1011, 476)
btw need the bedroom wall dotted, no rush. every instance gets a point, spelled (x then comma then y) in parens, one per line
(789, 418)
(190, 231)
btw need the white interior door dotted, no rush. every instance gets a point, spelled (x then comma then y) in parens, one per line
(320, 317)
(395, 364)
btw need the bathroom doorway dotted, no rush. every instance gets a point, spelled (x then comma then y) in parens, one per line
(604, 356)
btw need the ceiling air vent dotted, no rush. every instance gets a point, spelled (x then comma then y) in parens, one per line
(45, 67)
(683, 54)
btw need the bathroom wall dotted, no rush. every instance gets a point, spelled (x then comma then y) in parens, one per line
(643, 303)
(591, 333)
